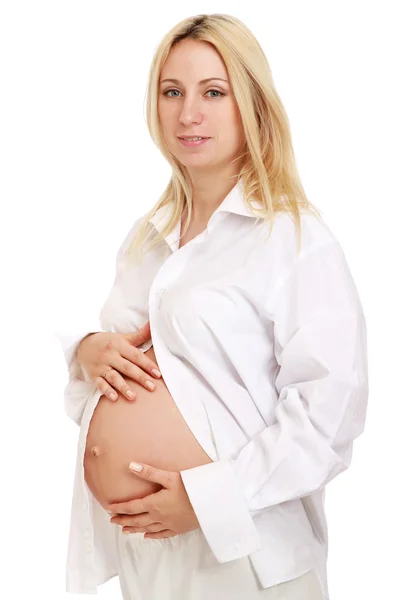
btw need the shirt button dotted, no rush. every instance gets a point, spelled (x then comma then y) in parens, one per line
(89, 548)
(87, 533)
(85, 506)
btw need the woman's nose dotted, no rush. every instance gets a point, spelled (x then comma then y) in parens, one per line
(190, 113)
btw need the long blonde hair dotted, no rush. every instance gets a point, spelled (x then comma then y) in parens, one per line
(268, 169)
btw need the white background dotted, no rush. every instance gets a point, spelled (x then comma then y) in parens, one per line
(78, 166)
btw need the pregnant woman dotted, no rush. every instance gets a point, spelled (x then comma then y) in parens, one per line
(235, 289)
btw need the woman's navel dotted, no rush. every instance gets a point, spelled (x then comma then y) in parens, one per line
(95, 451)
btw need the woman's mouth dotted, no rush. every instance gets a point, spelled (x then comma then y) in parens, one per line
(191, 143)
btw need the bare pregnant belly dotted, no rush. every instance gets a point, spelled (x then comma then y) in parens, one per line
(150, 429)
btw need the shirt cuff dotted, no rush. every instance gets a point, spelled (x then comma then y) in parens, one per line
(221, 510)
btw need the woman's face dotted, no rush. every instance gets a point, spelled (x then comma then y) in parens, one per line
(188, 107)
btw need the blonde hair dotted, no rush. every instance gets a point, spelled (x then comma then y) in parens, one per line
(268, 169)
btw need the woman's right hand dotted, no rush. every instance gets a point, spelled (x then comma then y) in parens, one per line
(101, 351)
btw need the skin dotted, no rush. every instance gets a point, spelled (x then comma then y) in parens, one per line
(208, 110)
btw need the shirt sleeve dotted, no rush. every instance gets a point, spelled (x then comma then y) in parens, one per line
(79, 386)
(320, 345)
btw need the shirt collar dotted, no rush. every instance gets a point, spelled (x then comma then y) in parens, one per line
(234, 202)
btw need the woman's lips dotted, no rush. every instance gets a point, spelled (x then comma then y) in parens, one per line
(190, 144)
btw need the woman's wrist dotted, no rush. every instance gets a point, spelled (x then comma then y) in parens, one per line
(82, 340)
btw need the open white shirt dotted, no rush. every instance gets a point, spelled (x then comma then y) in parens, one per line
(265, 354)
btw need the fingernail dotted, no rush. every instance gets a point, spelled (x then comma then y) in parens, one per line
(113, 396)
(156, 372)
(135, 467)
(150, 385)
(125, 531)
(130, 394)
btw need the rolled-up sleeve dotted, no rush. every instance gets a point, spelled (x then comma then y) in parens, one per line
(320, 345)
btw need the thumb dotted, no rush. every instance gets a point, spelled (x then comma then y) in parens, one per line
(141, 335)
(151, 473)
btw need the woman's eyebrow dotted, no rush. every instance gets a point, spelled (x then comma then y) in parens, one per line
(200, 82)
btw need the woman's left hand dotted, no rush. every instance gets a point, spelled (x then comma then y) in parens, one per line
(161, 515)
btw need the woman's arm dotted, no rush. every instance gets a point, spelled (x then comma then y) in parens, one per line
(79, 386)
(322, 386)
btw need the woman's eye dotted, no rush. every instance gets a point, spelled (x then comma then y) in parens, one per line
(220, 93)
(166, 93)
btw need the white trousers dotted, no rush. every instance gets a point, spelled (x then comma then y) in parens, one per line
(184, 568)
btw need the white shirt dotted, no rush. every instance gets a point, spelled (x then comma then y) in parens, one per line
(265, 354)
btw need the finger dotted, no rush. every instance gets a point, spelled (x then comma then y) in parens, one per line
(141, 335)
(116, 379)
(132, 507)
(135, 372)
(134, 356)
(161, 534)
(114, 384)
(141, 520)
(152, 528)
(165, 478)
(105, 388)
